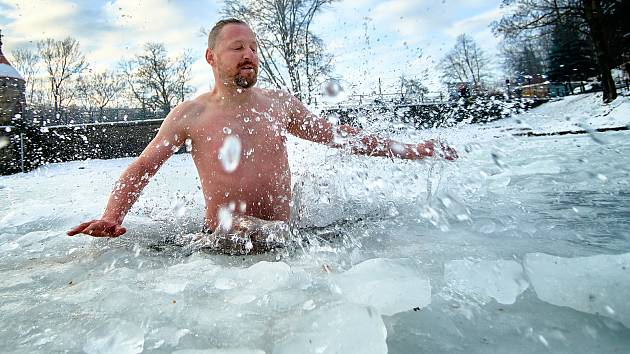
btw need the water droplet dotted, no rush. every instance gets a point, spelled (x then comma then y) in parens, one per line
(308, 305)
(230, 153)
(225, 218)
(227, 130)
(393, 211)
(332, 88)
(4, 142)
(179, 209)
(596, 136)
(398, 148)
(333, 118)
(188, 143)
(497, 160)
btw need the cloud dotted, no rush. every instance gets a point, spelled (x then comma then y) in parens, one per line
(474, 24)
(109, 31)
(28, 21)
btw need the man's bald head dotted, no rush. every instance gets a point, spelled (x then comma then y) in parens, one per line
(216, 30)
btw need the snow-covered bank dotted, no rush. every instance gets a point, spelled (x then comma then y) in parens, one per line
(571, 113)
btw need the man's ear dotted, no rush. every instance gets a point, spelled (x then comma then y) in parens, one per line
(210, 56)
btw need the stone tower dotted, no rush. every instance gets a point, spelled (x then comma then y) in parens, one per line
(12, 87)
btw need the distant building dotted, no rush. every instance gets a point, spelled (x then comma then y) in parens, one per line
(12, 102)
(12, 88)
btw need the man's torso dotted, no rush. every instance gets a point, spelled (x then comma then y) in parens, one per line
(260, 184)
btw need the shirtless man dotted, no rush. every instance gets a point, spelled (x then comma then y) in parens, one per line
(260, 184)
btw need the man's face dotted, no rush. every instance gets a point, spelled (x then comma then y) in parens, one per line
(236, 56)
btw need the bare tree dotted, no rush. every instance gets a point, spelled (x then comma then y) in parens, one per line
(62, 60)
(412, 88)
(291, 55)
(99, 89)
(466, 62)
(27, 63)
(134, 87)
(157, 81)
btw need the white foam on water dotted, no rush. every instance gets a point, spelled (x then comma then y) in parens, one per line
(389, 285)
(597, 284)
(501, 280)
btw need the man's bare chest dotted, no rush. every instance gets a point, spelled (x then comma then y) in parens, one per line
(254, 131)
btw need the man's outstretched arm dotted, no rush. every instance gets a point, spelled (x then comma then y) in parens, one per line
(308, 126)
(128, 187)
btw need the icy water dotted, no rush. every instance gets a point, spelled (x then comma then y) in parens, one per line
(520, 246)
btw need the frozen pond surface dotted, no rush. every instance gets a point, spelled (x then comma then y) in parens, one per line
(520, 246)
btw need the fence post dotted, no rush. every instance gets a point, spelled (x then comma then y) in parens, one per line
(22, 152)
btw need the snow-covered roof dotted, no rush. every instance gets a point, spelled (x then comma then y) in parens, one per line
(7, 70)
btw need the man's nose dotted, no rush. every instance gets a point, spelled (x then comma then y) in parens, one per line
(249, 53)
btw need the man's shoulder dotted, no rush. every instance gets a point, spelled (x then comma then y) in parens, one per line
(275, 93)
(191, 107)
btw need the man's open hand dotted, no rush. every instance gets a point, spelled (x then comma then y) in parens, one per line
(98, 228)
(428, 149)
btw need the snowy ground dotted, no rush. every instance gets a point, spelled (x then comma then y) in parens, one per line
(520, 246)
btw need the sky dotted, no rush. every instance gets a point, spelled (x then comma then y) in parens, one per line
(369, 39)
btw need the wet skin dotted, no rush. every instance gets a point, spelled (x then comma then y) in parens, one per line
(260, 186)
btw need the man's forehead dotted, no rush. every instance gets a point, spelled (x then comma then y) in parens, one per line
(236, 32)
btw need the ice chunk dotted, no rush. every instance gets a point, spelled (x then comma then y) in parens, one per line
(266, 275)
(258, 279)
(115, 336)
(596, 284)
(501, 280)
(11, 278)
(168, 335)
(340, 328)
(389, 285)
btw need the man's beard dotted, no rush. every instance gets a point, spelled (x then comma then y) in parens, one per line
(243, 82)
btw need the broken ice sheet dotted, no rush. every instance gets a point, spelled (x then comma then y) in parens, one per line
(502, 280)
(115, 336)
(596, 284)
(333, 328)
(389, 285)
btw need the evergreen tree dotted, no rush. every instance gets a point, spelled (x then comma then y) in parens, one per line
(572, 56)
